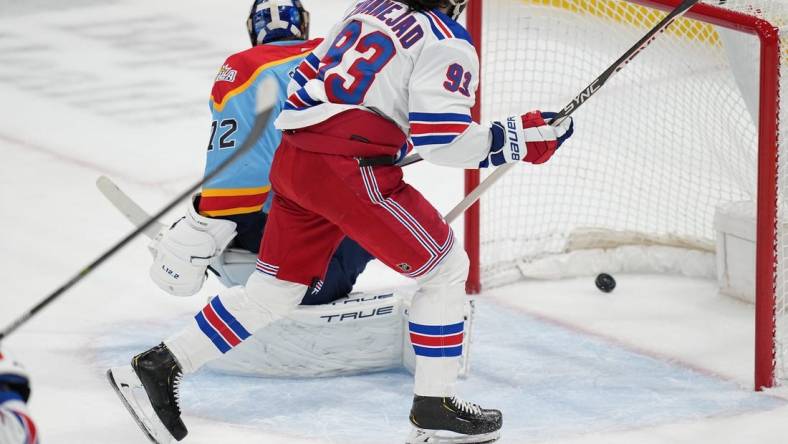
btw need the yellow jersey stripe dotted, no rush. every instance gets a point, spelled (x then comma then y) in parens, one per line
(220, 106)
(231, 192)
(232, 211)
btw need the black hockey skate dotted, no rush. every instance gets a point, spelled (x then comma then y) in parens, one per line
(149, 390)
(451, 420)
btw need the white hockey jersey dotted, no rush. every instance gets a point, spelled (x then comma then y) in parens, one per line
(16, 426)
(417, 69)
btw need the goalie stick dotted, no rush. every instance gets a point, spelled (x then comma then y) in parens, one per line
(570, 108)
(135, 214)
(267, 96)
(128, 207)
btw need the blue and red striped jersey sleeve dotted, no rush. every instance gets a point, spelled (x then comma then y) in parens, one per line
(441, 94)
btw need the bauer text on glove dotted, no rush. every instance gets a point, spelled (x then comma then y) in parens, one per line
(528, 138)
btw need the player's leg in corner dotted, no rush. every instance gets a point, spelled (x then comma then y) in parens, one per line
(436, 331)
(149, 386)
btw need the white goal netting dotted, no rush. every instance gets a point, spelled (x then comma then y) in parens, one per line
(671, 136)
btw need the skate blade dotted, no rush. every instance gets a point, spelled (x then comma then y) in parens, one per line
(125, 381)
(418, 436)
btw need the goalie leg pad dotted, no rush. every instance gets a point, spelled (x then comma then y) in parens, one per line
(358, 334)
(361, 333)
(234, 267)
(231, 317)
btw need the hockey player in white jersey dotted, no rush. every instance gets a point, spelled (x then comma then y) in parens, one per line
(397, 74)
(392, 75)
(16, 425)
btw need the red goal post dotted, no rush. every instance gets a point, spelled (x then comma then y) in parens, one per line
(745, 20)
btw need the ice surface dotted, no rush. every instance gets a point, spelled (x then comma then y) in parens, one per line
(550, 380)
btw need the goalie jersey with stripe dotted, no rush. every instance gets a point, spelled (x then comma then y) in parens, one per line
(242, 192)
(416, 69)
(244, 187)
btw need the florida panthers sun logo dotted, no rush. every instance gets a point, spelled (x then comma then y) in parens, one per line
(226, 74)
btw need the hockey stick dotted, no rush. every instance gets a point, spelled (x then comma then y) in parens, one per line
(581, 98)
(267, 96)
(127, 206)
(138, 216)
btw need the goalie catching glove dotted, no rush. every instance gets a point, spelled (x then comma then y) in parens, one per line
(528, 138)
(183, 252)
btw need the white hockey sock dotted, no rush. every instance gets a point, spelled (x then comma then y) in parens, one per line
(231, 317)
(437, 326)
(436, 332)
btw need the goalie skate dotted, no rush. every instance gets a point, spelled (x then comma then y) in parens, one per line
(452, 421)
(132, 394)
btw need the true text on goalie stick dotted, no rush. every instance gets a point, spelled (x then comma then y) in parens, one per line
(266, 99)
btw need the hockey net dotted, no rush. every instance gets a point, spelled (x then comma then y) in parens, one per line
(679, 131)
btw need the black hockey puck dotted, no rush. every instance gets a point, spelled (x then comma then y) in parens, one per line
(605, 282)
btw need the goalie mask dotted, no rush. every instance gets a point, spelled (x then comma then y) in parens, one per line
(456, 7)
(274, 20)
